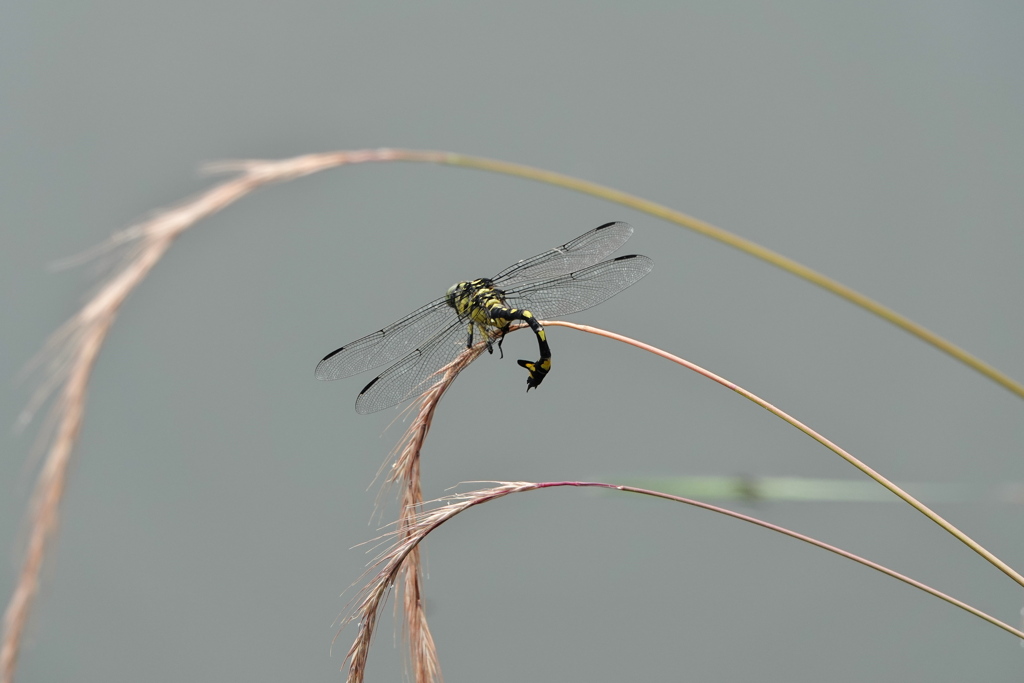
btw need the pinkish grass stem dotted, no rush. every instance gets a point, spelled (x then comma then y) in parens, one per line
(909, 499)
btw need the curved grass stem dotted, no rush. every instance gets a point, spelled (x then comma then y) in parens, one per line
(389, 564)
(807, 539)
(316, 162)
(909, 499)
(737, 242)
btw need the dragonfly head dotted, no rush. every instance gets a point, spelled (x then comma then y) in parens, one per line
(453, 292)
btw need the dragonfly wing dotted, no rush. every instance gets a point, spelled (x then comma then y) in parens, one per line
(580, 290)
(585, 250)
(415, 373)
(387, 344)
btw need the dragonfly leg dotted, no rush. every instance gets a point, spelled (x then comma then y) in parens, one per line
(501, 339)
(487, 340)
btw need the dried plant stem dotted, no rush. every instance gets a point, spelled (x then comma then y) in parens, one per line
(813, 541)
(406, 472)
(913, 502)
(46, 500)
(422, 651)
(74, 349)
(431, 516)
(386, 569)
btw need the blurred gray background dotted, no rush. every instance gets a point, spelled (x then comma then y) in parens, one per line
(218, 490)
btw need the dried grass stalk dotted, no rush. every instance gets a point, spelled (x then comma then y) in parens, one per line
(406, 473)
(70, 354)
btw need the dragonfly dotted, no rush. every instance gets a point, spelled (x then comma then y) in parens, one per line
(555, 283)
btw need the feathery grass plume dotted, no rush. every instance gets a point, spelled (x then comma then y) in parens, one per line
(389, 564)
(70, 354)
(406, 472)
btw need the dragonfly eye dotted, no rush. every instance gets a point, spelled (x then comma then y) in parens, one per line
(452, 291)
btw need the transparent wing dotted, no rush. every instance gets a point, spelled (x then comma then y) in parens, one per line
(391, 342)
(415, 373)
(418, 371)
(385, 345)
(585, 250)
(580, 290)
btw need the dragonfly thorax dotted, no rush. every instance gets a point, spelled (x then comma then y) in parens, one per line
(474, 298)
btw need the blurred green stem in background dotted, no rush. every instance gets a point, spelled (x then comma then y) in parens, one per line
(753, 489)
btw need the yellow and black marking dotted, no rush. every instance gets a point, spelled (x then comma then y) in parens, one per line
(560, 281)
(482, 305)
